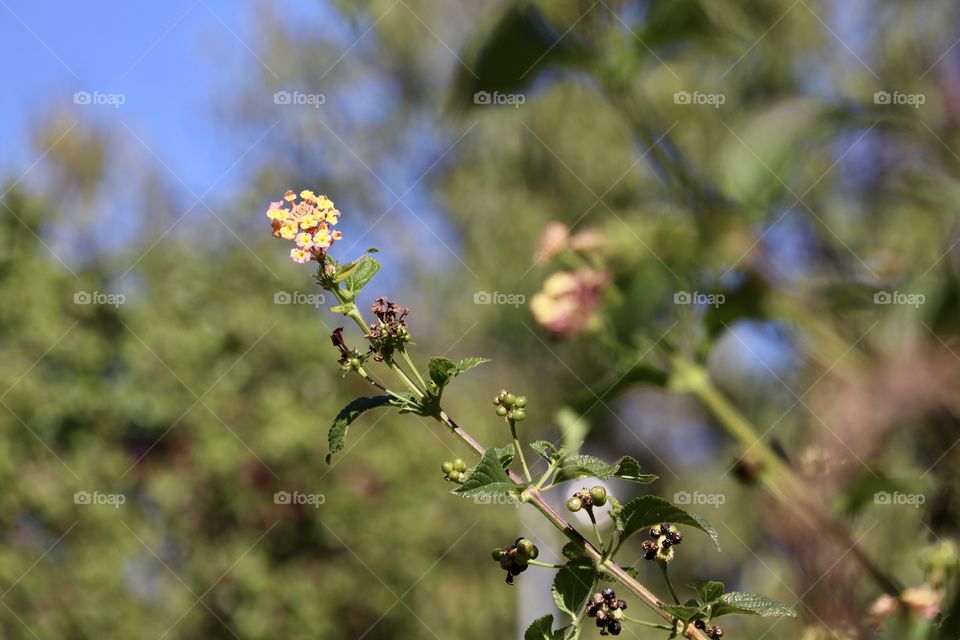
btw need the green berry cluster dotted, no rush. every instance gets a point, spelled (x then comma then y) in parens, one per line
(455, 471)
(510, 406)
(665, 538)
(583, 499)
(608, 611)
(514, 558)
(714, 632)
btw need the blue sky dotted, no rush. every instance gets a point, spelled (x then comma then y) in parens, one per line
(170, 60)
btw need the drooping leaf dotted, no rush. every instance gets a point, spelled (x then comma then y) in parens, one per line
(488, 481)
(580, 466)
(571, 587)
(737, 602)
(646, 511)
(338, 430)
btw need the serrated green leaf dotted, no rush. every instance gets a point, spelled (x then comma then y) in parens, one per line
(488, 480)
(708, 590)
(737, 602)
(581, 466)
(361, 273)
(505, 455)
(646, 511)
(544, 449)
(540, 629)
(470, 363)
(338, 430)
(442, 369)
(571, 587)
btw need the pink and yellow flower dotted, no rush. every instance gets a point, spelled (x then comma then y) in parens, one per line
(307, 222)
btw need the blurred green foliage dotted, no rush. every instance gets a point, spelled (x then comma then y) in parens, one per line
(199, 398)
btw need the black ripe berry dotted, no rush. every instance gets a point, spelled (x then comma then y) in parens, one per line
(608, 594)
(621, 604)
(614, 628)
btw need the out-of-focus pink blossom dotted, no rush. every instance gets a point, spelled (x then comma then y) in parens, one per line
(567, 305)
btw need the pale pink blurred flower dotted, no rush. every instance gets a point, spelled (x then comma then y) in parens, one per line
(922, 601)
(553, 240)
(567, 304)
(587, 240)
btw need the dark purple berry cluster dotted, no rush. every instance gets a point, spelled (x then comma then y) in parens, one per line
(714, 632)
(665, 537)
(514, 558)
(608, 611)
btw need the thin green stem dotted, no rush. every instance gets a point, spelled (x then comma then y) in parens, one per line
(413, 367)
(666, 578)
(546, 476)
(516, 445)
(404, 378)
(644, 623)
(392, 394)
(596, 529)
(548, 565)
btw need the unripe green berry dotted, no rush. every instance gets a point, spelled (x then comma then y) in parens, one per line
(518, 415)
(509, 400)
(526, 548)
(599, 495)
(454, 475)
(520, 402)
(447, 467)
(501, 411)
(459, 465)
(496, 554)
(574, 504)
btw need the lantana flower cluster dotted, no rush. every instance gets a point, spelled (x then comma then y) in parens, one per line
(307, 222)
